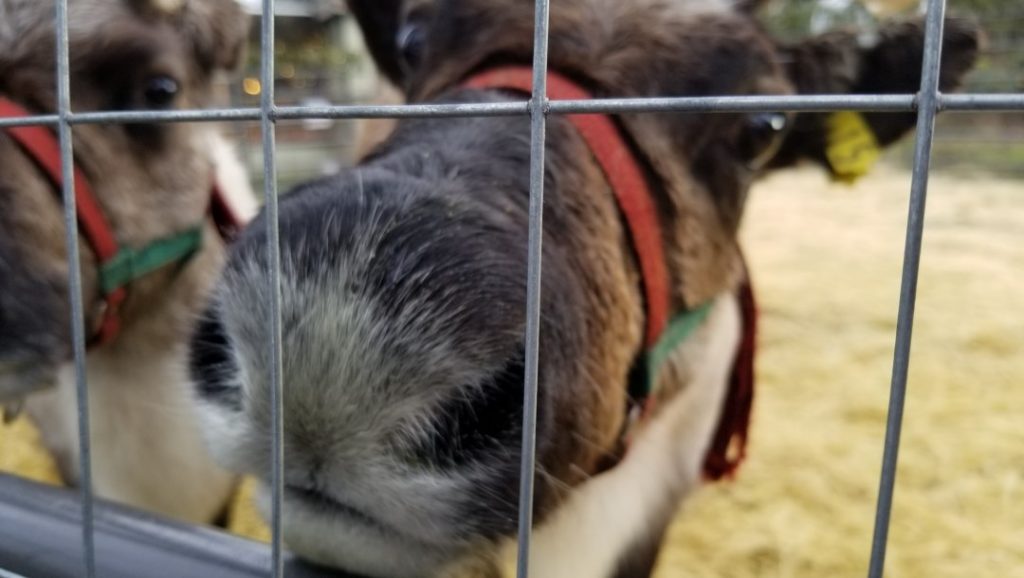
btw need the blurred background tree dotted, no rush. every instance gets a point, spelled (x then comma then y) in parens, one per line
(964, 143)
(320, 60)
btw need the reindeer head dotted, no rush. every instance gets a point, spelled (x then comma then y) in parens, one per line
(151, 180)
(639, 49)
(404, 280)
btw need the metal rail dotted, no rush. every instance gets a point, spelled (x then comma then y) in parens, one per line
(927, 109)
(75, 286)
(274, 376)
(40, 537)
(1010, 102)
(538, 131)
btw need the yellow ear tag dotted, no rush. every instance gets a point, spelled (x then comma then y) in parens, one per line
(851, 147)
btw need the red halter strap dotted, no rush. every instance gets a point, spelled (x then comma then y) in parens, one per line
(729, 444)
(40, 143)
(636, 203)
(624, 176)
(118, 266)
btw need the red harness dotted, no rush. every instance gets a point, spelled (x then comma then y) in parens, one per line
(636, 203)
(118, 265)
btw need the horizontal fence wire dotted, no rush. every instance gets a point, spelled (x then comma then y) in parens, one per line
(962, 102)
(928, 108)
(77, 320)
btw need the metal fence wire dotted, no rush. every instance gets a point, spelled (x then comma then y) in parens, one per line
(926, 103)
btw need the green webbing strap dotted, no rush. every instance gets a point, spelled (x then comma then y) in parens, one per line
(131, 264)
(679, 329)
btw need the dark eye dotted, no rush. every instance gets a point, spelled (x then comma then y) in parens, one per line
(761, 136)
(411, 40)
(159, 91)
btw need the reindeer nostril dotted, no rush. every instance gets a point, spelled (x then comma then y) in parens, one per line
(477, 420)
(212, 365)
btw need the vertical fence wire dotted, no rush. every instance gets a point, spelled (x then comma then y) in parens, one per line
(74, 283)
(928, 102)
(268, 136)
(538, 129)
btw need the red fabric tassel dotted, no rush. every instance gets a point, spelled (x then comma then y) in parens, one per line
(729, 446)
(225, 218)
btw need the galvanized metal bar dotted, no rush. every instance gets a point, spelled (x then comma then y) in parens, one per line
(1013, 102)
(167, 116)
(479, 109)
(982, 102)
(38, 120)
(696, 104)
(927, 109)
(765, 103)
(40, 537)
(63, 81)
(538, 133)
(275, 383)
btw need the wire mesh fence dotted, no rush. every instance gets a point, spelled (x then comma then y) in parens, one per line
(927, 103)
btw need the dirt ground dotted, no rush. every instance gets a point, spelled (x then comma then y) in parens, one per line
(826, 262)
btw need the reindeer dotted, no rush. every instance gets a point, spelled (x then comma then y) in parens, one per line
(150, 249)
(404, 285)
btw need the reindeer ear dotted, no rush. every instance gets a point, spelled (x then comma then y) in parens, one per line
(380, 21)
(842, 62)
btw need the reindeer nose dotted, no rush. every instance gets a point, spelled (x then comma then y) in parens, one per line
(306, 476)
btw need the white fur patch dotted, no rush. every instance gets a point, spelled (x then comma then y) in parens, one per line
(589, 534)
(232, 177)
(147, 450)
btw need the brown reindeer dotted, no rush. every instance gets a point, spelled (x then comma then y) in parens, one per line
(153, 186)
(404, 283)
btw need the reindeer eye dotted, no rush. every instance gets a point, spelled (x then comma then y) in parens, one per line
(761, 137)
(159, 91)
(411, 41)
